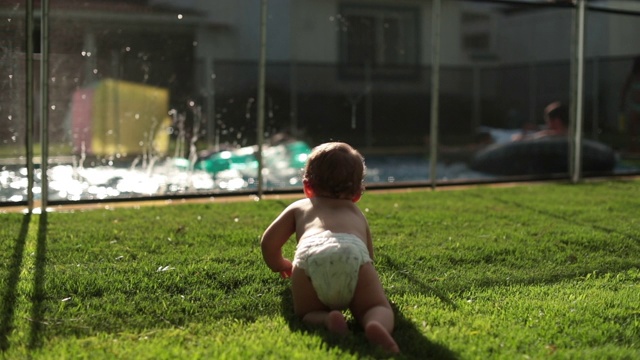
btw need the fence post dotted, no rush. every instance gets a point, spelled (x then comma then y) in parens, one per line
(578, 90)
(29, 103)
(44, 104)
(435, 91)
(261, 91)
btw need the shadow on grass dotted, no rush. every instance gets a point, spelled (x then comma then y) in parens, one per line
(412, 343)
(37, 311)
(423, 288)
(558, 216)
(10, 292)
(10, 296)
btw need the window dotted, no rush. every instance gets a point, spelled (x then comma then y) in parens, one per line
(477, 38)
(378, 41)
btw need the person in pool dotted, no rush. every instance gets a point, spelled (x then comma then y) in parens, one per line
(556, 119)
(332, 269)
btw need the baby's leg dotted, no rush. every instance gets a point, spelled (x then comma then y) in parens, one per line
(312, 311)
(372, 309)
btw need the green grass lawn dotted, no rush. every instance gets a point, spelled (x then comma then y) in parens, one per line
(533, 271)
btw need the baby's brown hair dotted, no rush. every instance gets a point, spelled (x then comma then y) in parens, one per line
(335, 170)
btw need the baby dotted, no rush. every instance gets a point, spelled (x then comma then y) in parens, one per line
(332, 269)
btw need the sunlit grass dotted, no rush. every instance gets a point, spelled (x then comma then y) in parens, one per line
(528, 271)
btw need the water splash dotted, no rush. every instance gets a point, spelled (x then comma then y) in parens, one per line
(247, 113)
(195, 133)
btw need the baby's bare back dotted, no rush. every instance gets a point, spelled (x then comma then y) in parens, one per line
(316, 215)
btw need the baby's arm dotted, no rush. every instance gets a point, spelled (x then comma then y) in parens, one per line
(274, 238)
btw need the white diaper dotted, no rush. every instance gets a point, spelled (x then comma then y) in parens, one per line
(332, 261)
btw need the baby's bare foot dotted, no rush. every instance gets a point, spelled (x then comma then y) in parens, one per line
(336, 323)
(378, 335)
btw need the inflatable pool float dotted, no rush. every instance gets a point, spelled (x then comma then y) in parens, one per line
(541, 156)
(290, 155)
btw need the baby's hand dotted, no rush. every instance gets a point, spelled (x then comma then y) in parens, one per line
(285, 273)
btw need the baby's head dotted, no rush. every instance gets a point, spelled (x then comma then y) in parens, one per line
(335, 170)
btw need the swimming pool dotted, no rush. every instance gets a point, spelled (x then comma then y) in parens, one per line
(175, 178)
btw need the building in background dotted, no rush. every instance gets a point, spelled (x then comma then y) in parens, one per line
(339, 68)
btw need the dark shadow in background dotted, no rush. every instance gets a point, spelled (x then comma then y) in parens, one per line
(412, 343)
(37, 319)
(10, 296)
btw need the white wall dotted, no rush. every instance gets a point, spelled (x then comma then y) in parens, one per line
(314, 28)
(623, 35)
(540, 35)
(307, 30)
(544, 35)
